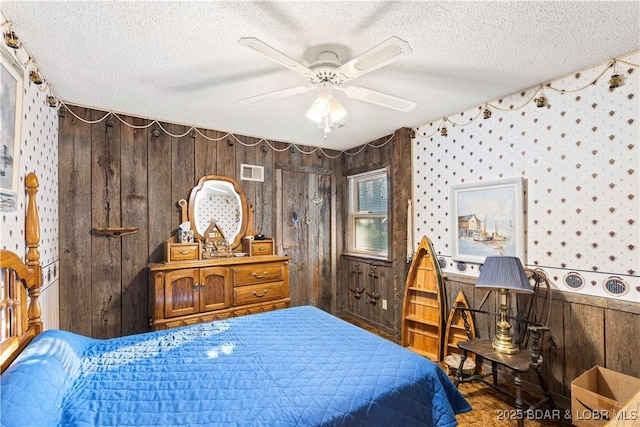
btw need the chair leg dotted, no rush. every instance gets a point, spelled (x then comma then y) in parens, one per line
(519, 405)
(494, 371)
(457, 379)
(545, 387)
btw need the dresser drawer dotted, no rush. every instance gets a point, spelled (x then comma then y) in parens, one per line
(258, 273)
(258, 247)
(258, 293)
(261, 308)
(182, 251)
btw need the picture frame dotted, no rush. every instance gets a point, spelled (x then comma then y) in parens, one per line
(488, 219)
(11, 89)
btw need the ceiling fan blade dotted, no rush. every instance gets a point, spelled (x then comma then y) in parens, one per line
(379, 98)
(276, 94)
(385, 53)
(275, 55)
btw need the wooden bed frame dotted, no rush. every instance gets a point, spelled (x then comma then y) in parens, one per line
(20, 285)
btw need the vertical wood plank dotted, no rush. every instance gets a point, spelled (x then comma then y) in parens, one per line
(226, 155)
(182, 168)
(74, 177)
(555, 349)
(337, 244)
(245, 153)
(322, 246)
(622, 332)
(399, 150)
(135, 247)
(161, 204)
(584, 335)
(205, 151)
(265, 217)
(106, 275)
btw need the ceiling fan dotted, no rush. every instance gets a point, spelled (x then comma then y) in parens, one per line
(327, 74)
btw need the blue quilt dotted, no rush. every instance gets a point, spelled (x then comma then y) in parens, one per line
(292, 367)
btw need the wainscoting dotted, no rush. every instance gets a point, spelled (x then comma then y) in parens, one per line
(50, 297)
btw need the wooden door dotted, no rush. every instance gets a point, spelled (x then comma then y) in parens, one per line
(181, 292)
(304, 198)
(215, 288)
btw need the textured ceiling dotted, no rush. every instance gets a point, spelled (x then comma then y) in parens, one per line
(180, 61)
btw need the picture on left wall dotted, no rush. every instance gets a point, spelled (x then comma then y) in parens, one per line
(10, 129)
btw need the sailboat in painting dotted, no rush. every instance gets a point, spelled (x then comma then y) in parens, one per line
(482, 236)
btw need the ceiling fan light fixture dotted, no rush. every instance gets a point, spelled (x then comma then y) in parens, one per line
(326, 107)
(320, 108)
(337, 111)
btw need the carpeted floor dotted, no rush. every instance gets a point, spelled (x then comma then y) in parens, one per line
(489, 407)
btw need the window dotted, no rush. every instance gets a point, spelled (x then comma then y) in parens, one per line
(368, 214)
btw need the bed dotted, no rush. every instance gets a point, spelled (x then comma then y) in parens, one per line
(292, 367)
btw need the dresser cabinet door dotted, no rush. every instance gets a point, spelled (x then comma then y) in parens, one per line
(181, 292)
(215, 288)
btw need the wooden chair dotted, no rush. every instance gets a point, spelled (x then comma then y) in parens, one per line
(529, 325)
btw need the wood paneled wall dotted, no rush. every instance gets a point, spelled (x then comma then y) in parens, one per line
(114, 175)
(384, 277)
(585, 331)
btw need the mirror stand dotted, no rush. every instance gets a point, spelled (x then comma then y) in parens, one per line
(250, 230)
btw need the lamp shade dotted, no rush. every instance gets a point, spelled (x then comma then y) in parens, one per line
(503, 272)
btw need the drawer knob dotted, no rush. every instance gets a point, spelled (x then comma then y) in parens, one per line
(258, 276)
(184, 252)
(256, 294)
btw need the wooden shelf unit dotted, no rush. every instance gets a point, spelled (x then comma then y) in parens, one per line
(456, 330)
(424, 305)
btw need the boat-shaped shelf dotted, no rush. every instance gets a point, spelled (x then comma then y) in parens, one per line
(423, 309)
(455, 332)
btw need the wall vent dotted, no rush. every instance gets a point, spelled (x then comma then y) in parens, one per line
(251, 173)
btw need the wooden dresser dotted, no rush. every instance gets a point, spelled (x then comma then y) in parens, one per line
(188, 292)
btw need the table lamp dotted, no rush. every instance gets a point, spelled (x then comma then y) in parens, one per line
(504, 273)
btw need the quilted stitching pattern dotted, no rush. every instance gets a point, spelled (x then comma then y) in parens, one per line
(294, 367)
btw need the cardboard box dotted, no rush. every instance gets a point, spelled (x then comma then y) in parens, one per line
(599, 395)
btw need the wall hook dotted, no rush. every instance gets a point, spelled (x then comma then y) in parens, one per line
(317, 199)
(357, 291)
(373, 295)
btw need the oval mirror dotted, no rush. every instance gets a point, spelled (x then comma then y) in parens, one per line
(220, 199)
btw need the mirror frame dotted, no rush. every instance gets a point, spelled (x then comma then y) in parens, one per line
(243, 201)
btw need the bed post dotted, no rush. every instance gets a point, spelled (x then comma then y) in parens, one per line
(32, 236)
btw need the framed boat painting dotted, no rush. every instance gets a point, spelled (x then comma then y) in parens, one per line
(488, 220)
(10, 129)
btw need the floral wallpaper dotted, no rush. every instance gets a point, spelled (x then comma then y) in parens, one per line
(579, 156)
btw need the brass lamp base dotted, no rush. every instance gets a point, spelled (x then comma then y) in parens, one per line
(504, 344)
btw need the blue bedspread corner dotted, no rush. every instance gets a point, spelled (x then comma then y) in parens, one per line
(33, 386)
